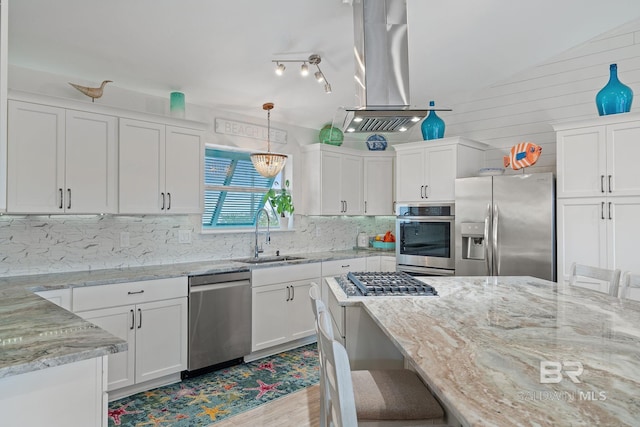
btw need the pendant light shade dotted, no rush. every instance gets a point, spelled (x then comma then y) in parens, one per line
(268, 164)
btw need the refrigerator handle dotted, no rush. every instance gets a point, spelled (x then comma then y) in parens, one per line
(487, 254)
(494, 243)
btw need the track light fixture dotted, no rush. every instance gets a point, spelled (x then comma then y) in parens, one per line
(304, 69)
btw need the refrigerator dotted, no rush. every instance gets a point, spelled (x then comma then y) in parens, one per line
(505, 226)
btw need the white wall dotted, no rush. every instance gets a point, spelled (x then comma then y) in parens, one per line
(563, 88)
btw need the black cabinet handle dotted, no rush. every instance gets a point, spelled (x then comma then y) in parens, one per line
(69, 201)
(61, 196)
(136, 292)
(602, 183)
(162, 208)
(610, 189)
(139, 318)
(169, 203)
(133, 320)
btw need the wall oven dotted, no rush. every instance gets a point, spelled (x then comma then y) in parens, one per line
(425, 238)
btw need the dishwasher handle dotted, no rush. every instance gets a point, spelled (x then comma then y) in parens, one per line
(203, 288)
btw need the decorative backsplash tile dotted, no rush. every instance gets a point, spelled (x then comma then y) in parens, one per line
(36, 244)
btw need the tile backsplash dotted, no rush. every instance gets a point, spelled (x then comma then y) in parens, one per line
(36, 244)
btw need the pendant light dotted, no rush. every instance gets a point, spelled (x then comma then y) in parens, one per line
(268, 164)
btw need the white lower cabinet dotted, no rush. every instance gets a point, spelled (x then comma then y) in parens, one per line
(69, 395)
(60, 297)
(151, 316)
(387, 263)
(281, 307)
(338, 267)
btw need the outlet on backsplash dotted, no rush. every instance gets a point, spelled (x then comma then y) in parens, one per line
(124, 239)
(184, 236)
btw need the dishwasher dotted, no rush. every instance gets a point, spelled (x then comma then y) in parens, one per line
(219, 320)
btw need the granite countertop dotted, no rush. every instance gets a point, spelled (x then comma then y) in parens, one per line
(480, 345)
(36, 334)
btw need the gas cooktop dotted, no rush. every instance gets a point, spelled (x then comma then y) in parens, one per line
(384, 284)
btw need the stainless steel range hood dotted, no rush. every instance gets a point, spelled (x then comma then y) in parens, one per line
(382, 69)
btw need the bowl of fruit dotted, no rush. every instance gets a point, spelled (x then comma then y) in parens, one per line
(385, 241)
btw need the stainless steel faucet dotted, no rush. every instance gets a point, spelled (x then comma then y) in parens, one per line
(257, 249)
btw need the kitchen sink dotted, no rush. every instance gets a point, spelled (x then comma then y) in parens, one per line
(267, 259)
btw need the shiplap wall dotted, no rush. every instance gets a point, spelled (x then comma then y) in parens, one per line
(562, 89)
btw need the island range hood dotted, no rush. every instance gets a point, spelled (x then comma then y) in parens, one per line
(382, 69)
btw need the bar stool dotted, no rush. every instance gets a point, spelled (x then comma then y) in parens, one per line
(611, 277)
(629, 280)
(385, 397)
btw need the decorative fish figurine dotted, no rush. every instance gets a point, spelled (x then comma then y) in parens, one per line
(91, 92)
(522, 155)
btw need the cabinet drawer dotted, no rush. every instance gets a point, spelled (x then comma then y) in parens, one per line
(282, 274)
(94, 297)
(343, 266)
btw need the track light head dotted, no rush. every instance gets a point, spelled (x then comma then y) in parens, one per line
(319, 77)
(304, 69)
(280, 68)
(327, 88)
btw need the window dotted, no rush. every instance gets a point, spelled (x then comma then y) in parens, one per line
(233, 190)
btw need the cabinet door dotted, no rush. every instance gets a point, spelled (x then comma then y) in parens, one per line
(623, 233)
(351, 181)
(35, 180)
(623, 151)
(582, 234)
(373, 263)
(90, 163)
(378, 186)
(120, 322)
(184, 171)
(440, 172)
(269, 316)
(161, 338)
(387, 263)
(301, 318)
(410, 177)
(581, 162)
(331, 185)
(141, 167)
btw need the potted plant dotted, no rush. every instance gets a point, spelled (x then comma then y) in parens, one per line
(281, 202)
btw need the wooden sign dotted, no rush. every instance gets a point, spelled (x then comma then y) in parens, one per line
(250, 130)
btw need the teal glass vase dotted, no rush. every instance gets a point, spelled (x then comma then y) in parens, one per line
(615, 97)
(432, 126)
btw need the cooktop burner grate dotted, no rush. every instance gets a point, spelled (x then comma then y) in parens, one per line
(389, 283)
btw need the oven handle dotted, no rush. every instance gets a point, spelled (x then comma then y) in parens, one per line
(425, 218)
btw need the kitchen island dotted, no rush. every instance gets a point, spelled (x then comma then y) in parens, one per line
(507, 351)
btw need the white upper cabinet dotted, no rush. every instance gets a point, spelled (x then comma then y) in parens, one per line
(426, 170)
(62, 161)
(378, 185)
(597, 158)
(161, 168)
(342, 181)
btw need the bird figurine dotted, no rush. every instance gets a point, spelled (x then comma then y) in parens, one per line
(91, 92)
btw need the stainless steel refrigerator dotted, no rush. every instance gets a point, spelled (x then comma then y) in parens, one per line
(505, 226)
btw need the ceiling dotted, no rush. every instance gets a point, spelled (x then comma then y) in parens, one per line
(219, 53)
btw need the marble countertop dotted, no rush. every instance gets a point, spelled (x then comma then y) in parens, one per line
(480, 346)
(36, 334)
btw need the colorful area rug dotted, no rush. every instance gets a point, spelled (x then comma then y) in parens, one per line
(212, 397)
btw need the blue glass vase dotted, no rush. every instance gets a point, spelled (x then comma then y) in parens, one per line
(615, 97)
(432, 126)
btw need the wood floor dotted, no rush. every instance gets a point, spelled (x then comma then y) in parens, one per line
(299, 409)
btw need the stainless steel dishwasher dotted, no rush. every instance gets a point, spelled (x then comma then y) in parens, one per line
(219, 319)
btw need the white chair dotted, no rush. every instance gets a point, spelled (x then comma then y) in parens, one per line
(611, 277)
(629, 280)
(325, 399)
(378, 397)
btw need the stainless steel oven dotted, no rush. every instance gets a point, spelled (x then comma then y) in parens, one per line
(425, 238)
